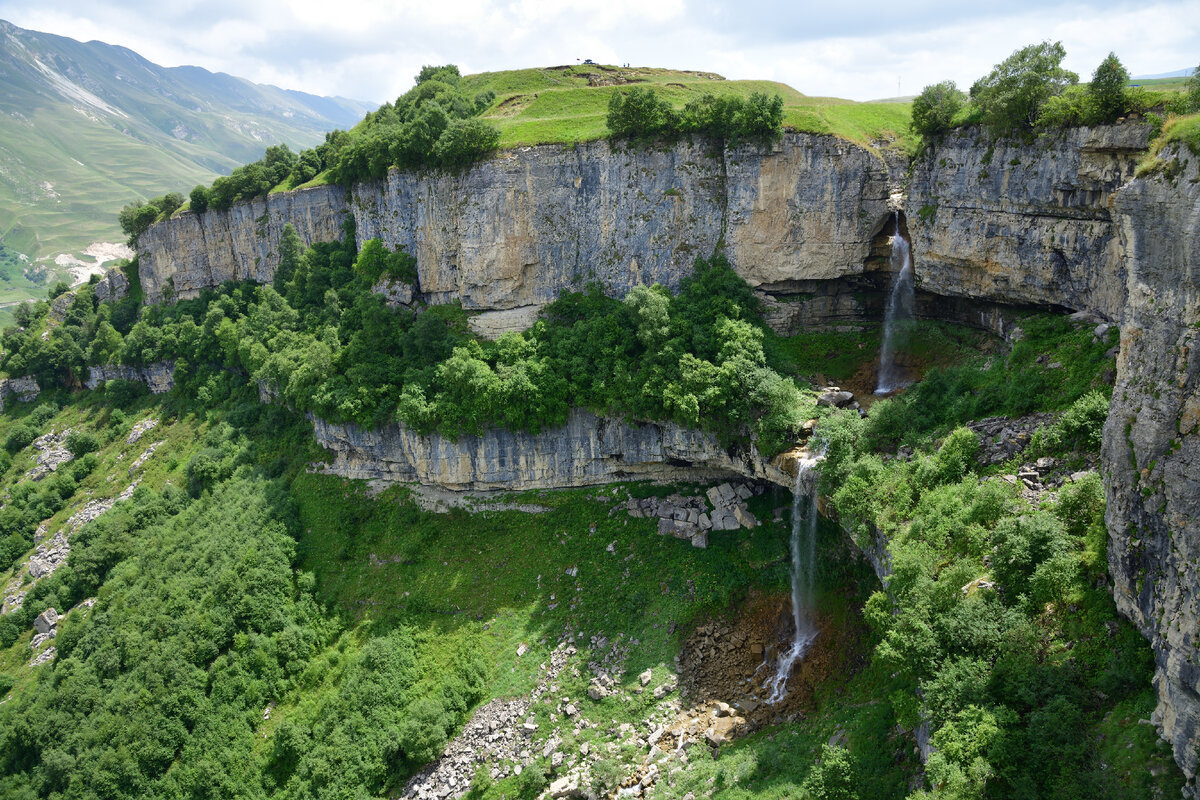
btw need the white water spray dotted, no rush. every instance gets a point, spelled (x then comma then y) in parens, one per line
(899, 311)
(804, 557)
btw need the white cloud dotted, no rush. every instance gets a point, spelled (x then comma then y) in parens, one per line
(855, 48)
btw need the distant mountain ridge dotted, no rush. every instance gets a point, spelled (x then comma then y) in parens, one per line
(87, 126)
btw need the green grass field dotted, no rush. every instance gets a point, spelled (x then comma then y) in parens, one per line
(560, 105)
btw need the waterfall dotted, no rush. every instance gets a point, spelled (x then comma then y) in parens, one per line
(899, 311)
(804, 557)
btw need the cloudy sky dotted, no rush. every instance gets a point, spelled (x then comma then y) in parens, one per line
(860, 49)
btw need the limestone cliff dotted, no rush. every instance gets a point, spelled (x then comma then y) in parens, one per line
(159, 377)
(587, 450)
(1152, 441)
(1027, 224)
(515, 231)
(182, 255)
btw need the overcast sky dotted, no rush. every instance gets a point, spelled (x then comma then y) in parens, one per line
(860, 49)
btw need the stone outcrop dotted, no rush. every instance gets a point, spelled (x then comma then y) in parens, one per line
(515, 231)
(23, 390)
(182, 255)
(159, 377)
(113, 286)
(587, 450)
(1027, 224)
(1151, 453)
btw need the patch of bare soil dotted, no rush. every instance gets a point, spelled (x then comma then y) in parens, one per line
(731, 659)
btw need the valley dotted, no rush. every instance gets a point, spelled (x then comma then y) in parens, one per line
(523, 476)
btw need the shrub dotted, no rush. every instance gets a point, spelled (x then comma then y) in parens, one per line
(121, 393)
(20, 437)
(956, 457)
(465, 141)
(199, 199)
(934, 109)
(1193, 91)
(832, 778)
(424, 731)
(1022, 545)
(80, 443)
(640, 113)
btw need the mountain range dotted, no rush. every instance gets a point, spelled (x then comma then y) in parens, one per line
(86, 127)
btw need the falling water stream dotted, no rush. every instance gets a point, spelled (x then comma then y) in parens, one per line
(899, 311)
(804, 555)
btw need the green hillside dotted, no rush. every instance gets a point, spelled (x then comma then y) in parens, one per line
(566, 104)
(87, 127)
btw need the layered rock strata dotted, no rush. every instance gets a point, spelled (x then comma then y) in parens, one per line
(1151, 452)
(159, 377)
(515, 231)
(1028, 224)
(587, 450)
(189, 252)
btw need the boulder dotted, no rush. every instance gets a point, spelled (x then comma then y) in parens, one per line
(46, 621)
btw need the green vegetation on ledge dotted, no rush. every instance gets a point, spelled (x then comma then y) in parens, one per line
(326, 343)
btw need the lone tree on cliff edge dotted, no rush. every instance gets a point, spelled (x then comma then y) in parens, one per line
(1010, 95)
(1107, 89)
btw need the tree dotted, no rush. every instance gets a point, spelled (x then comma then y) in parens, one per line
(1107, 89)
(1193, 91)
(1010, 95)
(761, 116)
(465, 141)
(832, 778)
(934, 108)
(639, 113)
(199, 199)
(289, 256)
(135, 218)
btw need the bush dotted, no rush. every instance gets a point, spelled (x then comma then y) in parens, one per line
(1023, 544)
(424, 731)
(464, 142)
(199, 199)
(832, 778)
(121, 393)
(80, 443)
(1193, 91)
(20, 437)
(1081, 427)
(934, 109)
(640, 113)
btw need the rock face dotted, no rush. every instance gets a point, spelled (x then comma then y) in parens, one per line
(515, 231)
(113, 286)
(180, 256)
(520, 229)
(24, 390)
(1024, 224)
(1151, 453)
(160, 377)
(587, 450)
